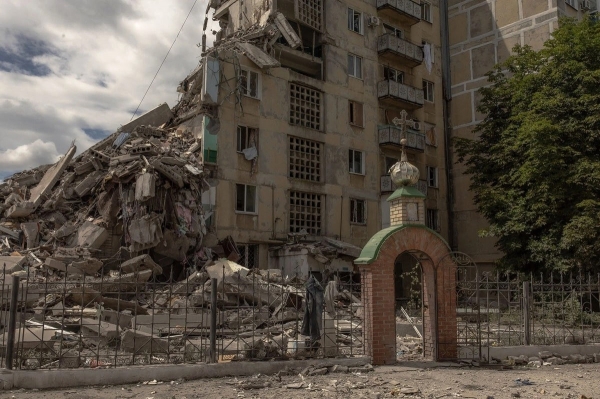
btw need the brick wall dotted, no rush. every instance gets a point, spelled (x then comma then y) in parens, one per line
(439, 293)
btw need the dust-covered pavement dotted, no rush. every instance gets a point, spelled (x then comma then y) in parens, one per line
(408, 380)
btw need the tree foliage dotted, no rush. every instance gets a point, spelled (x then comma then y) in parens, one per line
(535, 161)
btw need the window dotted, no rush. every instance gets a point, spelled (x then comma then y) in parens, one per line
(433, 219)
(305, 159)
(355, 66)
(355, 22)
(305, 212)
(248, 255)
(245, 200)
(389, 162)
(426, 12)
(428, 91)
(432, 176)
(249, 81)
(310, 12)
(356, 162)
(393, 74)
(246, 138)
(358, 211)
(305, 106)
(393, 31)
(572, 3)
(356, 113)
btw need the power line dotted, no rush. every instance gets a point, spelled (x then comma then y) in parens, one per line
(163, 61)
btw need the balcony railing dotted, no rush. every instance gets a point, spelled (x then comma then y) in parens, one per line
(391, 135)
(410, 96)
(387, 186)
(407, 11)
(399, 50)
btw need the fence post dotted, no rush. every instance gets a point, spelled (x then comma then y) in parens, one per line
(12, 322)
(213, 321)
(526, 311)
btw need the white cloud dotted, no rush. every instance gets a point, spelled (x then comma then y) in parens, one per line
(70, 65)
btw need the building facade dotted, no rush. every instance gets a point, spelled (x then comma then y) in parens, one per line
(295, 105)
(481, 34)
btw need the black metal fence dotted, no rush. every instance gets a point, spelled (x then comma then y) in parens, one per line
(221, 313)
(499, 309)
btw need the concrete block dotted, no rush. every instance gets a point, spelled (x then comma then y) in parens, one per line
(91, 236)
(55, 264)
(142, 342)
(88, 266)
(92, 328)
(145, 186)
(139, 263)
(20, 210)
(12, 264)
(87, 184)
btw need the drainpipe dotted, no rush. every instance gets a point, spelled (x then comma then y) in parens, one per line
(447, 93)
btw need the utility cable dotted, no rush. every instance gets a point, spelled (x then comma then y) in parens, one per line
(163, 61)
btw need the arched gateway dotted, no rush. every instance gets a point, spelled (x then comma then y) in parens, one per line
(408, 233)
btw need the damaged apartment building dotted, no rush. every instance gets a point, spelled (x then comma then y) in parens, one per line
(300, 106)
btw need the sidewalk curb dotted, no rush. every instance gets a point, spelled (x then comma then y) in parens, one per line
(66, 378)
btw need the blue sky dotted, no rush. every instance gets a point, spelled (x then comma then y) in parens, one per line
(76, 69)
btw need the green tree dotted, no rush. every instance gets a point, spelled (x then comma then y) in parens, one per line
(535, 159)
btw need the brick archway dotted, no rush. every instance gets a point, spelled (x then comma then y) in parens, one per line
(376, 263)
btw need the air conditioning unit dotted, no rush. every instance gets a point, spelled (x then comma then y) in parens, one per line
(373, 21)
(417, 126)
(586, 5)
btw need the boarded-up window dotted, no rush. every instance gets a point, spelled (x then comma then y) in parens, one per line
(356, 113)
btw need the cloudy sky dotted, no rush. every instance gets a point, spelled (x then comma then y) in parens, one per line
(77, 69)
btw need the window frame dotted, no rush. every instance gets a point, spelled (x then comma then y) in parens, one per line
(433, 181)
(354, 111)
(426, 6)
(361, 30)
(353, 205)
(246, 211)
(246, 89)
(394, 30)
(354, 68)
(396, 72)
(427, 90)
(248, 132)
(351, 154)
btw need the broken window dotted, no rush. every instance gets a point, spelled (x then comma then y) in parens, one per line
(358, 212)
(305, 212)
(428, 90)
(245, 200)
(305, 106)
(249, 82)
(356, 162)
(426, 12)
(248, 255)
(246, 137)
(305, 159)
(310, 12)
(355, 21)
(393, 74)
(355, 66)
(356, 113)
(432, 176)
(432, 219)
(393, 30)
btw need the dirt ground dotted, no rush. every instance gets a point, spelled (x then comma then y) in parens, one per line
(407, 380)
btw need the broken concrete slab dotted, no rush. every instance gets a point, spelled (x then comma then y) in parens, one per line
(139, 263)
(88, 266)
(85, 296)
(90, 235)
(92, 328)
(11, 264)
(55, 264)
(87, 184)
(145, 186)
(155, 117)
(20, 210)
(158, 323)
(51, 177)
(256, 55)
(121, 319)
(287, 31)
(145, 232)
(173, 246)
(31, 230)
(142, 342)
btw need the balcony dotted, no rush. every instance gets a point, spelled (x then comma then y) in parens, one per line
(407, 11)
(387, 186)
(391, 135)
(400, 94)
(394, 49)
